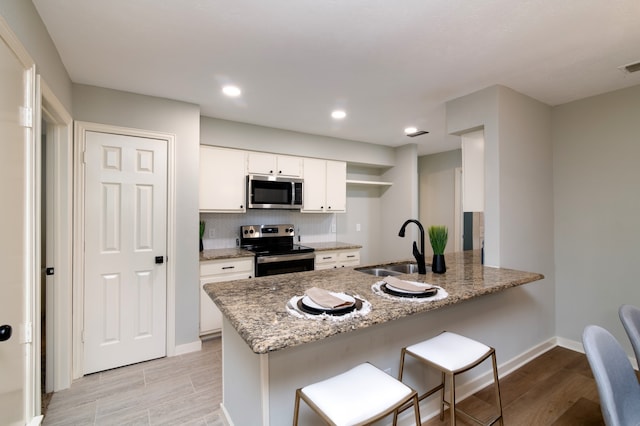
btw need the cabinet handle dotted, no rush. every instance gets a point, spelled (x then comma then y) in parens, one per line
(241, 206)
(351, 255)
(329, 208)
(326, 257)
(228, 267)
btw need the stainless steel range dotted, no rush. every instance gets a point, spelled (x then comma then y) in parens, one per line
(275, 250)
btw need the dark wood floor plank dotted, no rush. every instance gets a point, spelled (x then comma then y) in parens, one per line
(557, 388)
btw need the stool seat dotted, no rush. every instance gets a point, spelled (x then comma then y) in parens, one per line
(450, 351)
(452, 354)
(357, 396)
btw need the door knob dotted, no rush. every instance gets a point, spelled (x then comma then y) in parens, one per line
(159, 260)
(5, 332)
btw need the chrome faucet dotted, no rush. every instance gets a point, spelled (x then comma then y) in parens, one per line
(419, 255)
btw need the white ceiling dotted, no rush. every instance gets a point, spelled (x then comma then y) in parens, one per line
(389, 64)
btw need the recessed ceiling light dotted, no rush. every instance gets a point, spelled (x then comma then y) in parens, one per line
(232, 91)
(414, 132)
(338, 114)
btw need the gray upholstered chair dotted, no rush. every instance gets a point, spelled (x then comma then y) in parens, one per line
(618, 385)
(630, 317)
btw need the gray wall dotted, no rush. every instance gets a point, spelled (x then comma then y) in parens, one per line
(437, 191)
(124, 109)
(596, 185)
(258, 138)
(22, 17)
(518, 201)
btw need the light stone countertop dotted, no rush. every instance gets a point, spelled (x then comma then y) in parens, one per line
(335, 245)
(225, 253)
(256, 307)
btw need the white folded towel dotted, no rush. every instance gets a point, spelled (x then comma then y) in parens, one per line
(325, 299)
(406, 285)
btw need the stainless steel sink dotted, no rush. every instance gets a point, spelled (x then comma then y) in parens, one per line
(390, 269)
(403, 268)
(378, 272)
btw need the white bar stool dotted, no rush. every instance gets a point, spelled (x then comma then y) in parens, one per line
(453, 354)
(359, 396)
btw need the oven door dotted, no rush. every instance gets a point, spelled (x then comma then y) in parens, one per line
(284, 263)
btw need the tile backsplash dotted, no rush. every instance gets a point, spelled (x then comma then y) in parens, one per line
(222, 229)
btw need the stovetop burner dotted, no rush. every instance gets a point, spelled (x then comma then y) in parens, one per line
(270, 240)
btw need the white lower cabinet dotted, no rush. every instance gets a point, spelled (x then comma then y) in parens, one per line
(215, 271)
(329, 259)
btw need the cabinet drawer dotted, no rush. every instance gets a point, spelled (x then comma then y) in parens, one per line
(326, 257)
(227, 266)
(349, 256)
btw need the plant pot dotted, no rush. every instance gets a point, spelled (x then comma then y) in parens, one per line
(201, 246)
(437, 265)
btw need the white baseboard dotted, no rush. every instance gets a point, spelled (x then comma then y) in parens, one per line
(226, 419)
(187, 348)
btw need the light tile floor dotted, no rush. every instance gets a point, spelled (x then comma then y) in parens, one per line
(181, 390)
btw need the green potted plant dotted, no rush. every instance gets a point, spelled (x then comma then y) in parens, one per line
(438, 236)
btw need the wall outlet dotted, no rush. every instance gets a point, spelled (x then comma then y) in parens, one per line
(333, 227)
(357, 227)
(211, 232)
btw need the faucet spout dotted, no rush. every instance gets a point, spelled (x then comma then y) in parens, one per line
(418, 254)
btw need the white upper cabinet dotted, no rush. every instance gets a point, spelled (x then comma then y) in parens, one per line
(473, 171)
(274, 165)
(222, 180)
(325, 186)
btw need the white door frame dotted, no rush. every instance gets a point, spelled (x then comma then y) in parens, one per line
(31, 248)
(80, 130)
(59, 293)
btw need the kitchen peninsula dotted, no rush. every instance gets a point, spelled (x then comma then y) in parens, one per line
(268, 353)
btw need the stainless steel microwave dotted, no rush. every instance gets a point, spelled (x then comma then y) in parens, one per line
(274, 192)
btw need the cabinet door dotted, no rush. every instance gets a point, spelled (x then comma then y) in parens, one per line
(473, 171)
(210, 315)
(314, 185)
(261, 163)
(222, 180)
(336, 190)
(289, 166)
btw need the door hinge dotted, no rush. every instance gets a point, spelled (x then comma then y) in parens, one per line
(28, 332)
(26, 117)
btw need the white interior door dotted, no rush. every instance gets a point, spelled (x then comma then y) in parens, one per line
(125, 246)
(15, 330)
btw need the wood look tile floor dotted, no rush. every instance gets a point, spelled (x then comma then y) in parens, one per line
(181, 390)
(557, 388)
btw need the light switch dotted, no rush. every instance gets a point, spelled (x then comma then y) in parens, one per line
(357, 227)
(211, 232)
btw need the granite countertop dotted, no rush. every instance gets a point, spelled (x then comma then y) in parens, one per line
(231, 253)
(334, 245)
(226, 253)
(256, 307)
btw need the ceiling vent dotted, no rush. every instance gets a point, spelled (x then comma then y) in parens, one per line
(629, 68)
(417, 133)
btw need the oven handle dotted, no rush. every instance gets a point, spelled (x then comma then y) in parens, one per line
(285, 257)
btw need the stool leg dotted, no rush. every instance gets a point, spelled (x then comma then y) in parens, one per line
(442, 397)
(452, 403)
(402, 354)
(416, 409)
(497, 385)
(296, 408)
